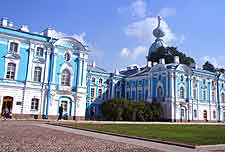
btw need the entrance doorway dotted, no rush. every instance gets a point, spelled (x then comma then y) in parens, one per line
(7, 103)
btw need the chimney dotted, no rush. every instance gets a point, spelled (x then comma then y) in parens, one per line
(93, 64)
(154, 63)
(176, 59)
(10, 24)
(24, 28)
(149, 64)
(50, 32)
(4, 22)
(162, 61)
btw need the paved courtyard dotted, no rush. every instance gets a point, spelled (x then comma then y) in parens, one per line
(24, 136)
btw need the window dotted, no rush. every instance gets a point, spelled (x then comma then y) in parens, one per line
(92, 93)
(222, 98)
(100, 81)
(195, 113)
(146, 94)
(65, 78)
(37, 74)
(67, 56)
(34, 104)
(204, 95)
(182, 112)
(182, 92)
(204, 82)
(11, 70)
(213, 96)
(99, 92)
(107, 94)
(39, 52)
(118, 84)
(194, 94)
(214, 114)
(159, 91)
(140, 82)
(139, 94)
(182, 78)
(133, 94)
(93, 80)
(222, 85)
(13, 47)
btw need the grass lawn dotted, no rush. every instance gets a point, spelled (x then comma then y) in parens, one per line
(188, 134)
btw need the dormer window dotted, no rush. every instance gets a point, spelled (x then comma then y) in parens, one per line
(39, 52)
(13, 48)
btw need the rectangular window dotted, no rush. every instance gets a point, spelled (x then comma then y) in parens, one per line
(139, 94)
(34, 104)
(182, 112)
(39, 52)
(100, 93)
(37, 74)
(195, 94)
(146, 94)
(128, 94)
(195, 113)
(118, 94)
(204, 95)
(92, 93)
(214, 114)
(11, 70)
(213, 96)
(13, 48)
(93, 80)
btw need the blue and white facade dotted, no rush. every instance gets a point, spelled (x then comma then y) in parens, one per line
(40, 72)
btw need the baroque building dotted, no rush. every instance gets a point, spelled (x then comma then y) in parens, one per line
(40, 72)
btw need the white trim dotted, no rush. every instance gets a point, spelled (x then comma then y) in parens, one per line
(16, 62)
(15, 41)
(65, 66)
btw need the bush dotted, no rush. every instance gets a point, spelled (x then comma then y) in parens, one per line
(124, 110)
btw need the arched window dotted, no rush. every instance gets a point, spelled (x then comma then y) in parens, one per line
(93, 80)
(65, 78)
(11, 70)
(182, 92)
(223, 98)
(37, 74)
(159, 91)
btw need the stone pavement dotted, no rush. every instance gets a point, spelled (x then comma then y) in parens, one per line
(20, 136)
(39, 136)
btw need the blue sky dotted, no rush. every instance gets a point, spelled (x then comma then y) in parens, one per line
(119, 32)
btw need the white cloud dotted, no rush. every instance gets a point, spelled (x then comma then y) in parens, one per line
(125, 52)
(79, 37)
(142, 30)
(218, 61)
(165, 12)
(137, 8)
(134, 53)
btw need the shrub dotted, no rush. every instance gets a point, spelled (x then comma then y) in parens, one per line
(124, 110)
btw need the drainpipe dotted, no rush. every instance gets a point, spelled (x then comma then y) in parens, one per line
(25, 81)
(218, 97)
(42, 84)
(174, 86)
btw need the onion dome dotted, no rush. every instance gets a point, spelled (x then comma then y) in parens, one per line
(158, 33)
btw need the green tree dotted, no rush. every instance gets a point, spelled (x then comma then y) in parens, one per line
(209, 67)
(168, 54)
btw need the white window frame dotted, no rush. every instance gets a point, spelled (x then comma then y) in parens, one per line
(36, 50)
(92, 97)
(65, 80)
(6, 65)
(33, 70)
(14, 41)
(34, 105)
(40, 75)
(65, 66)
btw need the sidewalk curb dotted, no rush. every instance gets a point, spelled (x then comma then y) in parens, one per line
(126, 136)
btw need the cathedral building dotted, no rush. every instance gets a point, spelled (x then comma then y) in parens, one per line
(40, 72)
